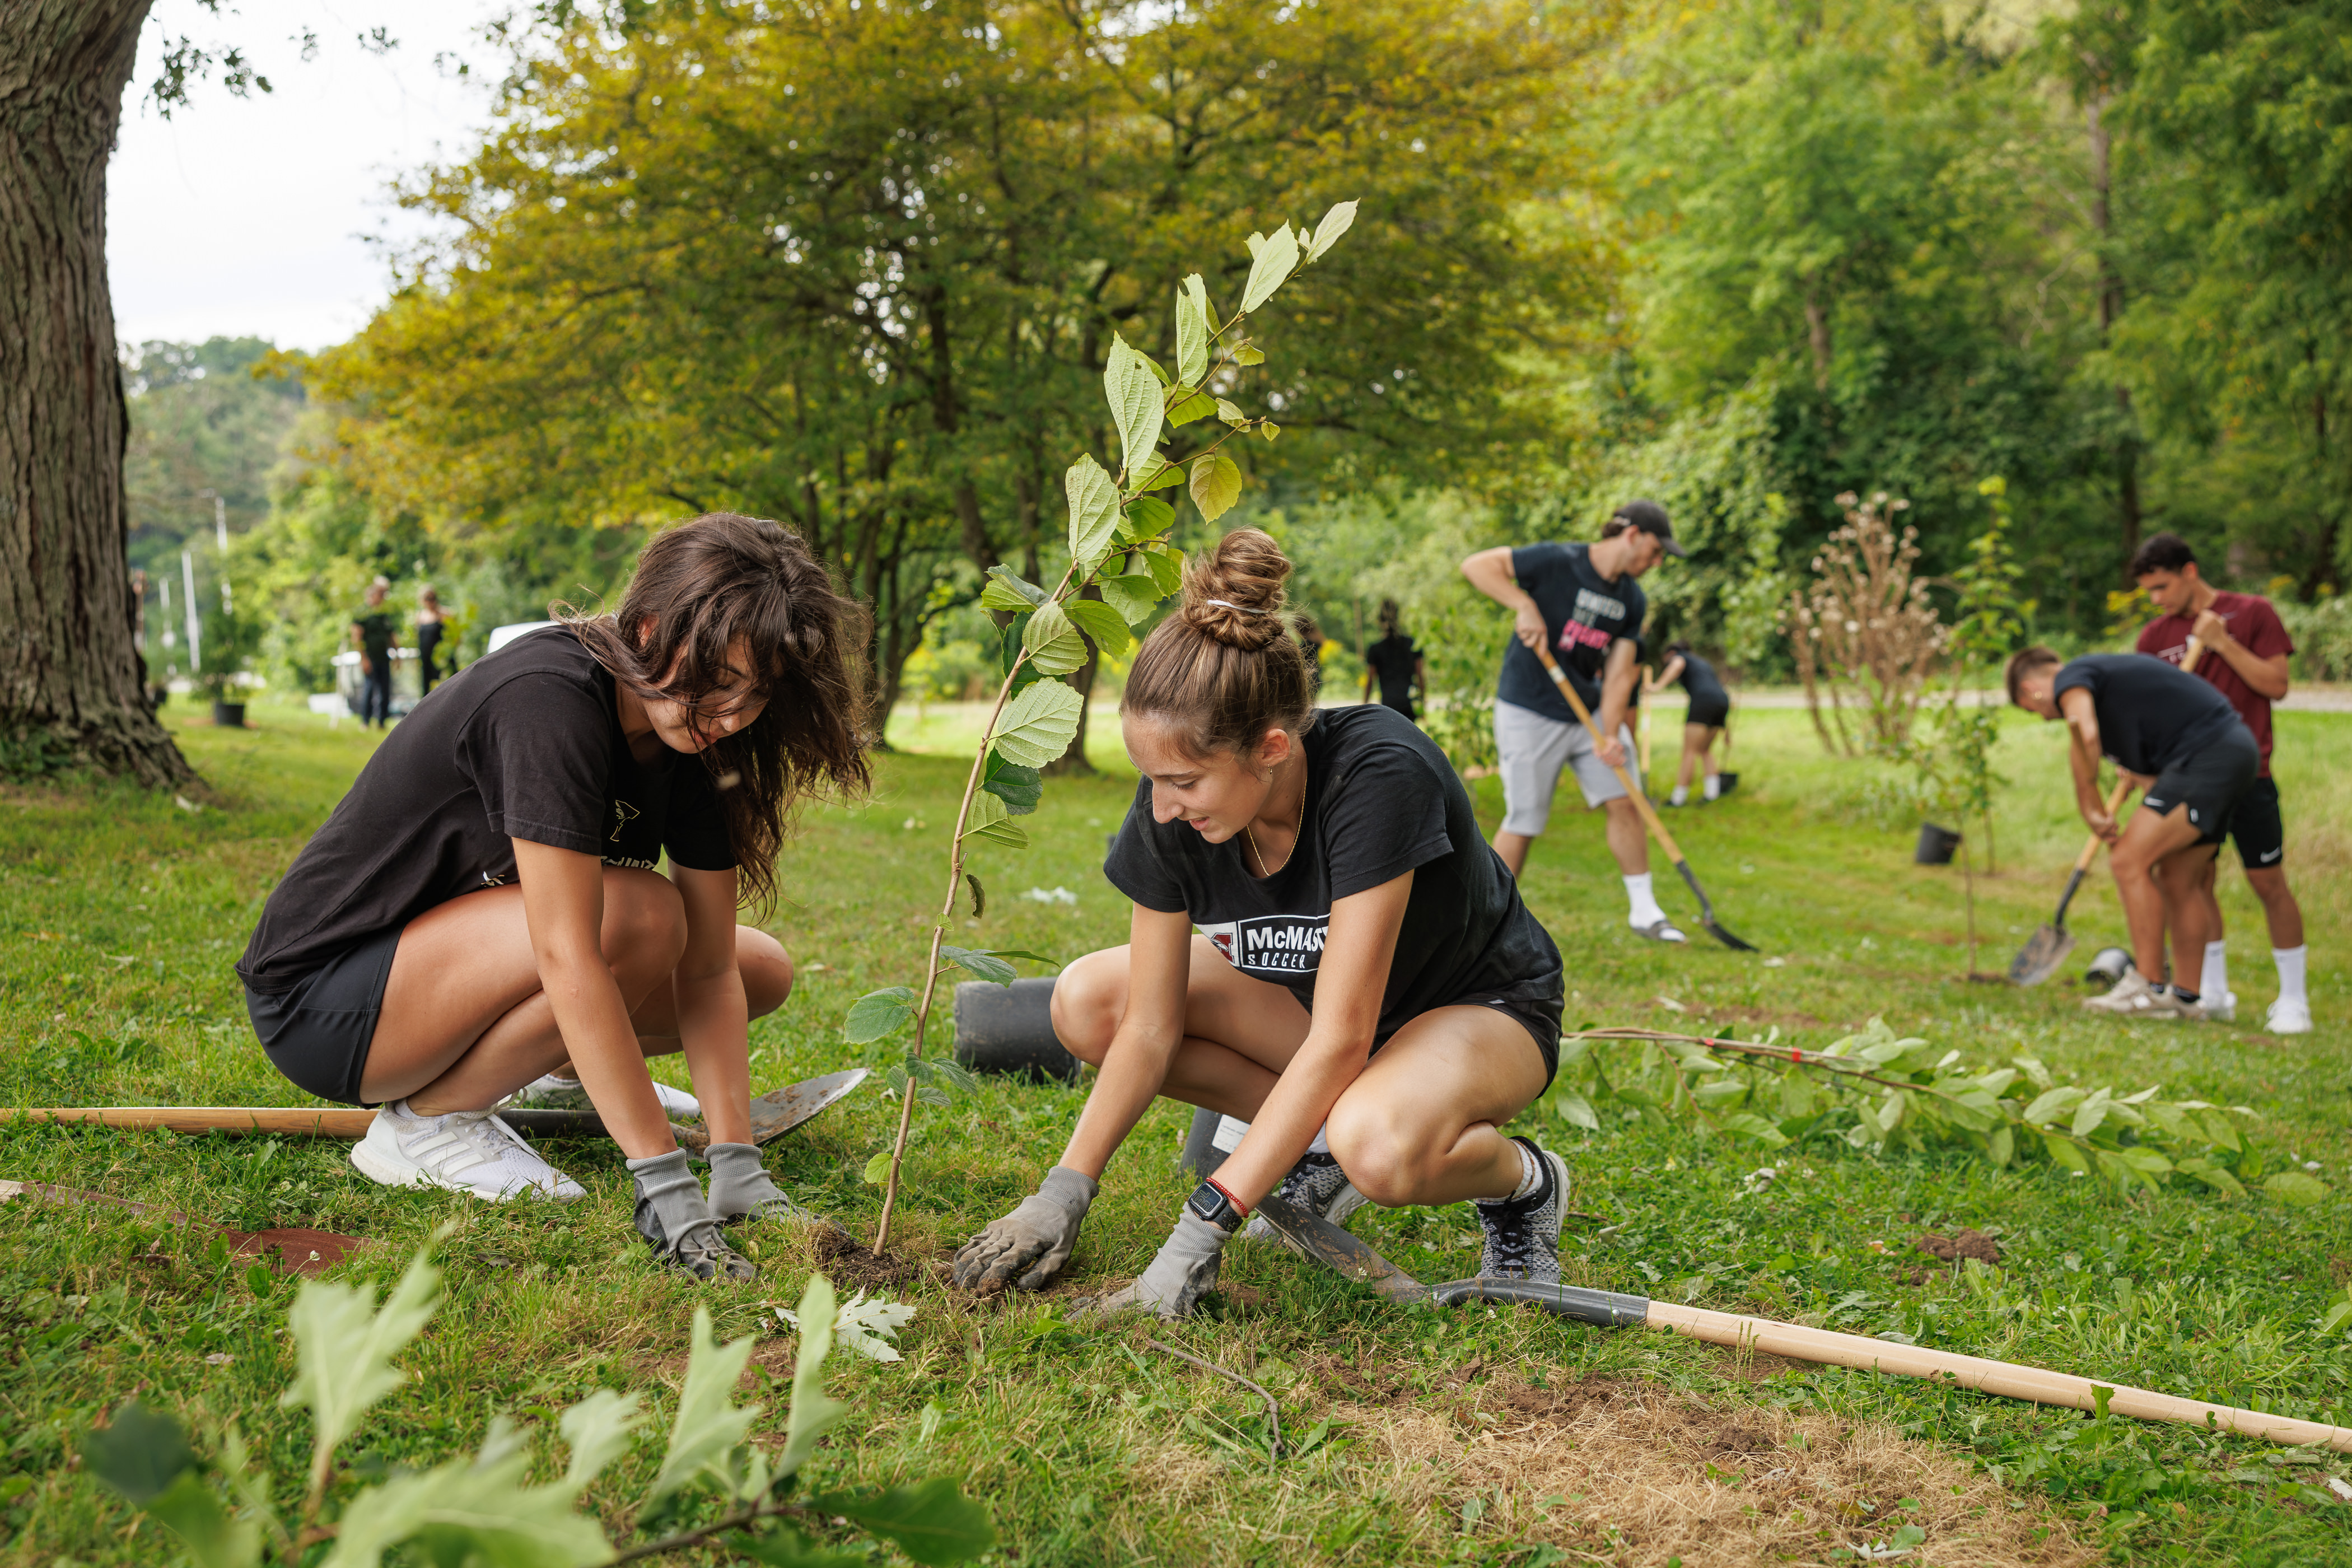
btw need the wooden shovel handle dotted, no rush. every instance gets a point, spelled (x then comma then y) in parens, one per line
(1584, 715)
(315, 1122)
(2091, 844)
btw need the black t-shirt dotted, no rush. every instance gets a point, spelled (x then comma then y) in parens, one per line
(2151, 713)
(1392, 659)
(1382, 800)
(1698, 679)
(524, 744)
(375, 635)
(1584, 613)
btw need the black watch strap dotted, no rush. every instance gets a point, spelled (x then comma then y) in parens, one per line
(1209, 1202)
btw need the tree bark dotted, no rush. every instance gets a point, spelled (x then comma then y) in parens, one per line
(68, 668)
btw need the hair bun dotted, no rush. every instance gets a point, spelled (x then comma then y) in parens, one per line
(1233, 592)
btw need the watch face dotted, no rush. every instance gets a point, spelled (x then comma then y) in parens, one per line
(1213, 1206)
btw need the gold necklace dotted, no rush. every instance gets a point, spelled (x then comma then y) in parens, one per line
(1265, 870)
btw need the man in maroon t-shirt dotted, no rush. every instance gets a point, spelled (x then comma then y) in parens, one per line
(2244, 655)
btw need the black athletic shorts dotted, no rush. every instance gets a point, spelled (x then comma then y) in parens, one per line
(318, 1030)
(1540, 1019)
(2256, 828)
(1710, 713)
(2212, 782)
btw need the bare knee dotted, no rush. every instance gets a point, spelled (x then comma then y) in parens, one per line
(1088, 1000)
(766, 968)
(1379, 1153)
(645, 923)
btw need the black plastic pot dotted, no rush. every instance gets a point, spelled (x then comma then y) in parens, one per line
(1936, 845)
(1724, 784)
(1010, 1028)
(229, 715)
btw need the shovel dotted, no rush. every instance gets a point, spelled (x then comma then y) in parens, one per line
(1641, 804)
(2046, 949)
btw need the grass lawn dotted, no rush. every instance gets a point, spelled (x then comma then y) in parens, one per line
(1474, 1437)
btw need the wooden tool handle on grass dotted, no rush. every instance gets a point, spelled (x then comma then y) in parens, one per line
(1584, 715)
(313, 1122)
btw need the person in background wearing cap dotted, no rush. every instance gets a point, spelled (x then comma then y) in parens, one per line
(1586, 601)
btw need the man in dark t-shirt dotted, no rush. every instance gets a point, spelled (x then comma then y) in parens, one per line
(2243, 650)
(1395, 663)
(371, 634)
(2175, 738)
(1585, 602)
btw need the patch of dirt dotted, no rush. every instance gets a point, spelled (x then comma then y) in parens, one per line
(851, 1265)
(1968, 1243)
(1646, 1475)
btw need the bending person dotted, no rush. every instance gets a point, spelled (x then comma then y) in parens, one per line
(483, 906)
(2176, 739)
(1366, 989)
(1703, 722)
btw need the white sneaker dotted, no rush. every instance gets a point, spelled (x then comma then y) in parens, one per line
(2224, 1011)
(2133, 997)
(554, 1093)
(463, 1151)
(2288, 1016)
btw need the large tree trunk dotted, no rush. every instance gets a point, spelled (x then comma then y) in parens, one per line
(66, 665)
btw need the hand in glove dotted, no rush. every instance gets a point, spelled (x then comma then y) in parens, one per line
(1184, 1270)
(1034, 1241)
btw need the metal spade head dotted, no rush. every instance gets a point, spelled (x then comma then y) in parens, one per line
(774, 1115)
(1312, 1236)
(2039, 959)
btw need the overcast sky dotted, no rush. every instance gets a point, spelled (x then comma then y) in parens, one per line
(252, 216)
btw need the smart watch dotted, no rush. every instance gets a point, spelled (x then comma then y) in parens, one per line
(1209, 1201)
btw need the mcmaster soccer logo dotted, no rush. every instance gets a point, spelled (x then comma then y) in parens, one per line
(1278, 947)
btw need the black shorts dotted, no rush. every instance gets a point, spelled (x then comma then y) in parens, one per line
(2256, 828)
(2211, 781)
(1538, 1017)
(318, 1030)
(1711, 711)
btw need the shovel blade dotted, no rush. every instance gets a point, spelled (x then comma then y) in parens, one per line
(774, 1115)
(1316, 1237)
(1715, 928)
(2039, 959)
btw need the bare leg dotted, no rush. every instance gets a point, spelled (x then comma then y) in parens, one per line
(2191, 918)
(1513, 848)
(767, 971)
(1239, 1032)
(1629, 840)
(1694, 748)
(2147, 840)
(2284, 915)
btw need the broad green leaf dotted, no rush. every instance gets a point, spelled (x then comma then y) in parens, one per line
(471, 1511)
(878, 1014)
(214, 1539)
(2002, 1148)
(2047, 1105)
(708, 1424)
(1157, 475)
(1199, 405)
(139, 1453)
(2218, 1177)
(1134, 595)
(1038, 724)
(991, 819)
(1576, 1111)
(2066, 1154)
(2337, 1316)
(1722, 1094)
(1248, 356)
(1275, 260)
(1796, 1095)
(1268, 429)
(1054, 644)
(2146, 1161)
(598, 1429)
(1193, 331)
(1018, 787)
(1748, 1125)
(1134, 396)
(1099, 621)
(1336, 222)
(1094, 511)
(2219, 1129)
(1216, 485)
(1149, 517)
(2296, 1187)
(986, 965)
(934, 1524)
(1004, 592)
(789, 1548)
(1231, 413)
(1167, 568)
(814, 1413)
(343, 1348)
(2091, 1112)
(878, 1168)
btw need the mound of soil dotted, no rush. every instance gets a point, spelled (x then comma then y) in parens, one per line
(850, 1263)
(1970, 1243)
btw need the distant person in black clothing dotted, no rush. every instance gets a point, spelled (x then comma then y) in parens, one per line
(371, 634)
(1396, 664)
(1310, 642)
(428, 634)
(1702, 724)
(2174, 736)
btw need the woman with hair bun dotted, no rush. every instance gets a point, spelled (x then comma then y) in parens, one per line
(1365, 990)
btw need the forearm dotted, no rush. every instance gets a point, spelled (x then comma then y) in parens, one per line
(594, 1020)
(714, 1025)
(2084, 763)
(1133, 1071)
(1496, 583)
(1294, 1111)
(2265, 678)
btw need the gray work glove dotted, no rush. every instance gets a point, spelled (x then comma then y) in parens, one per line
(740, 1187)
(1034, 1241)
(1184, 1270)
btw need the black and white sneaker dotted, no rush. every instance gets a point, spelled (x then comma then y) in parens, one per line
(1317, 1184)
(1522, 1237)
(700, 1249)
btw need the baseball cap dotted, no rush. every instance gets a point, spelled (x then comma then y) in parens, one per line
(1650, 519)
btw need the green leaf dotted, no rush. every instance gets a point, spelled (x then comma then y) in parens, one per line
(2066, 1154)
(2047, 1105)
(1231, 413)
(934, 1524)
(598, 1429)
(1167, 568)
(1018, 787)
(2214, 1176)
(1038, 725)
(139, 1453)
(986, 965)
(343, 1348)
(1748, 1125)
(1005, 592)
(1275, 260)
(2337, 1316)
(878, 1014)
(2296, 1187)
(1134, 594)
(789, 1549)
(708, 1424)
(1336, 222)
(1134, 396)
(2002, 1148)
(991, 819)
(201, 1520)
(813, 1413)
(2091, 1112)
(471, 1511)
(878, 1169)
(1268, 429)
(1216, 485)
(1248, 356)
(1100, 622)
(1148, 517)
(2219, 1129)
(1025, 952)
(1094, 513)
(1194, 332)
(1157, 476)
(1576, 1111)
(1054, 644)
(1199, 405)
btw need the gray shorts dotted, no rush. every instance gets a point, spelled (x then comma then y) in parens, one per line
(1531, 750)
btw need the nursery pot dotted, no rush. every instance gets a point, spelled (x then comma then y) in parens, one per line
(1010, 1028)
(1936, 845)
(229, 715)
(1724, 784)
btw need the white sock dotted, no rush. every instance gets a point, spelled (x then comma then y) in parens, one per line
(1680, 797)
(2290, 967)
(1645, 912)
(1715, 787)
(1530, 1177)
(2216, 981)
(1322, 1145)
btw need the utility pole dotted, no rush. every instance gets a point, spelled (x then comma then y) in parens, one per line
(188, 602)
(220, 534)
